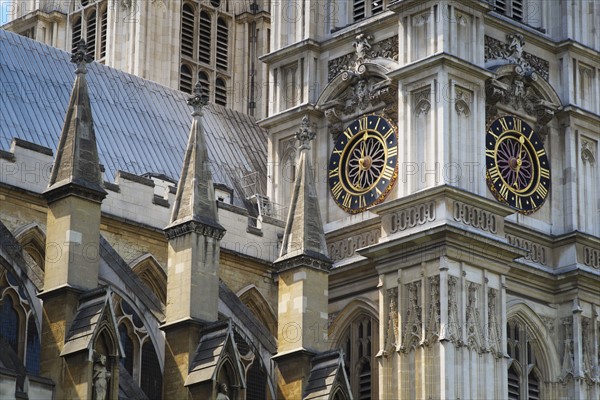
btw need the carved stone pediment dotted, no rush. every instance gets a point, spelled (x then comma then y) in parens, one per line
(362, 95)
(511, 52)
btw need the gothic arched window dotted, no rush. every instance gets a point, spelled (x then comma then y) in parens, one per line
(523, 371)
(220, 92)
(151, 377)
(358, 342)
(9, 328)
(203, 78)
(128, 348)
(222, 44)
(204, 43)
(187, 30)
(185, 79)
(32, 361)
(103, 31)
(91, 34)
(75, 34)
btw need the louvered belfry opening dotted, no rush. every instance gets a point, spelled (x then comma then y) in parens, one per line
(204, 38)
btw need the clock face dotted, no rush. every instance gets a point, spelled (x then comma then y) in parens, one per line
(517, 167)
(363, 164)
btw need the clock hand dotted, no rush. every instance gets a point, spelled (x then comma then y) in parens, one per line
(519, 161)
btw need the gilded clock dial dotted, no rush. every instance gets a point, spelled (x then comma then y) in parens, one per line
(517, 167)
(363, 164)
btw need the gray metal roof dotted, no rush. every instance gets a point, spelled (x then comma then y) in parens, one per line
(141, 126)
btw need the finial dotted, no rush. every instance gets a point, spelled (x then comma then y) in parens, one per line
(198, 100)
(81, 58)
(305, 134)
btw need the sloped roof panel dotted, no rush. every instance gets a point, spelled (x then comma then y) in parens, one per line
(141, 126)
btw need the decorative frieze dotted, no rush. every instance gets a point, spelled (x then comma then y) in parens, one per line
(475, 217)
(412, 216)
(412, 328)
(587, 348)
(591, 257)
(588, 155)
(346, 247)
(535, 251)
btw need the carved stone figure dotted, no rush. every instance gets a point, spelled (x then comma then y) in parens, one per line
(567, 362)
(493, 334)
(101, 378)
(412, 329)
(433, 325)
(453, 323)
(392, 333)
(474, 337)
(222, 391)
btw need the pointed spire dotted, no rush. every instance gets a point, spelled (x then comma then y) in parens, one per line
(77, 164)
(195, 198)
(304, 235)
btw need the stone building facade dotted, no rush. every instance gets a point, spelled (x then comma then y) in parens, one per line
(413, 213)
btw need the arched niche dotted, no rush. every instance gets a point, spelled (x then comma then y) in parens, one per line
(149, 270)
(259, 306)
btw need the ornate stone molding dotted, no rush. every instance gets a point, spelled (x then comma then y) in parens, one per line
(475, 217)
(432, 332)
(567, 359)
(494, 338)
(462, 101)
(392, 334)
(512, 52)
(591, 257)
(364, 51)
(454, 332)
(197, 227)
(587, 349)
(344, 248)
(303, 261)
(535, 252)
(474, 339)
(588, 155)
(412, 216)
(412, 327)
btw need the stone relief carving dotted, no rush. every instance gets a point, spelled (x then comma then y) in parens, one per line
(567, 359)
(495, 344)
(549, 324)
(475, 217)
(422, 102)
(412, 328)
(587, 152)
(535, 251)
(454, 334)
(587, 348)
(591, 257)
(346, 247)
(474, 339)
(364, 51)
(412, 216)
(432, 333)
(512, 51)
(462, 101)
(392, 334)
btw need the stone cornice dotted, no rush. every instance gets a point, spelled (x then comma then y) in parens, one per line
(441, 59)
(78, 189)
(285, 52)
(346, 35)
(183, 228)
(575, 111)
(577, 48)
(315, 261)
(402, 6)
(531, 35)
(291, 114)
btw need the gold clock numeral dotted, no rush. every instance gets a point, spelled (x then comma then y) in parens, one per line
(540, 152)
(347, 200)
(388, 173)
(545, 173)
(504, 191)
(377, 191)
(334, 172)
(363, 124)
(338, 152)
(504, 124)
(362, 202)
(336, 190)
(518, 125)
(490, 152)
(392, 151)
(542, 191)
(533, 204)
(494, 173)
(377, 124)
(518, 201)
(348, 133)
(493, 134)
